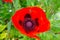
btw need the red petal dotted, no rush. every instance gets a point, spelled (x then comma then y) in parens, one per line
(8, 1)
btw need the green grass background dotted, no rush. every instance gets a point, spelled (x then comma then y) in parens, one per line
(51, 7)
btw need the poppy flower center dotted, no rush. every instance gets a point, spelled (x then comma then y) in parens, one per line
(29, 24)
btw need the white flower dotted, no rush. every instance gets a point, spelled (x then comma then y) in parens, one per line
(10, 10)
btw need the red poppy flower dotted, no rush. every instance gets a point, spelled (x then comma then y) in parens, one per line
(8, 1)
(30, 21)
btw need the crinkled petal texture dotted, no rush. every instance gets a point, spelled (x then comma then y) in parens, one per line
(8, 1)
(35, 13)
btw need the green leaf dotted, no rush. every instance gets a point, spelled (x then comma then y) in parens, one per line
(2, 27)
(3, 35)
(16, 4)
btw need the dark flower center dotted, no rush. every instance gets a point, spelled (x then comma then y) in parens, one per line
(29, 24)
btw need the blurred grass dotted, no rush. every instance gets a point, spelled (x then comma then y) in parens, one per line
(51, 7)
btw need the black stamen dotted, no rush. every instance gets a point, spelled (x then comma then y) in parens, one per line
(20, 22)
(27, 16)
(36, 20)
